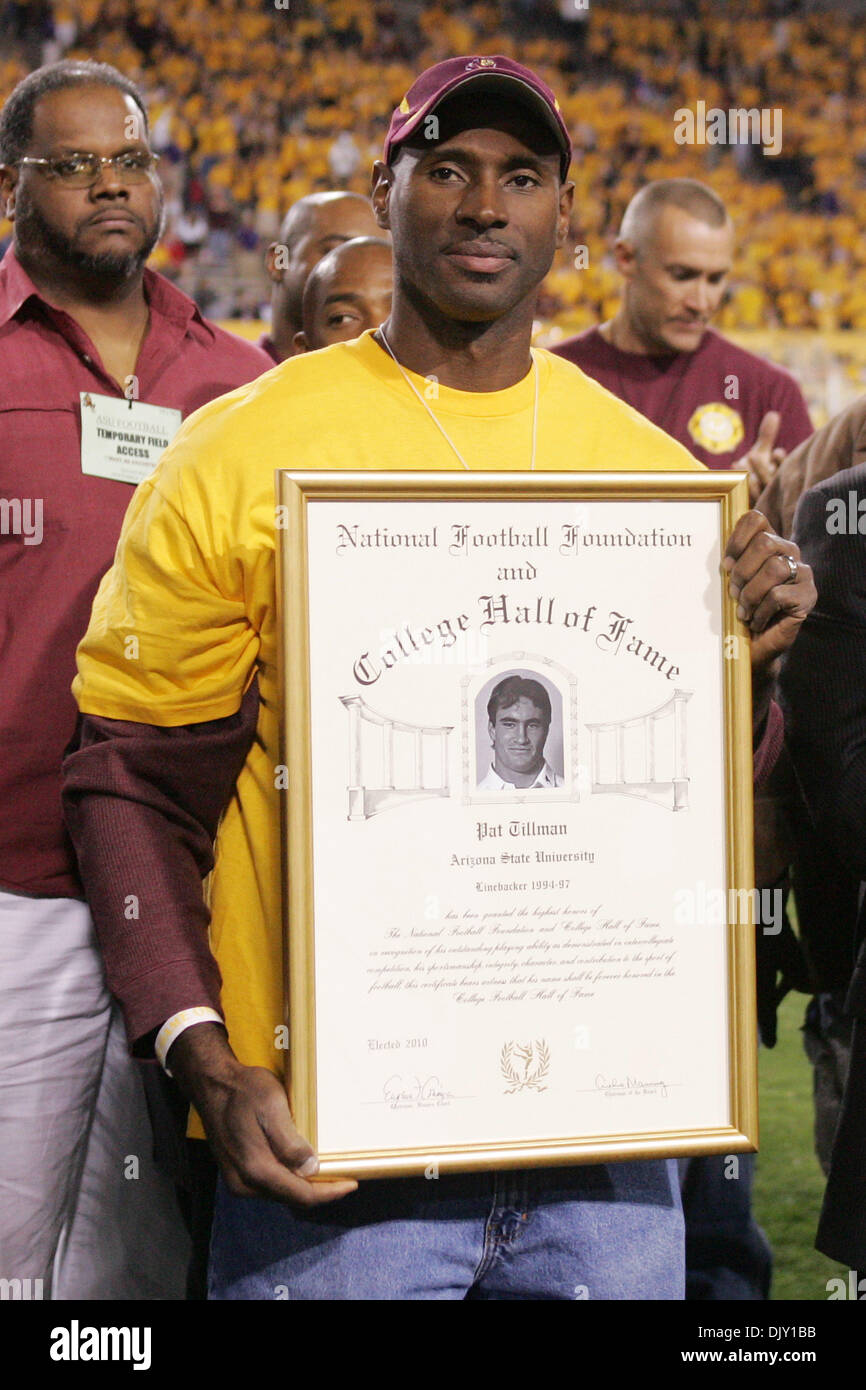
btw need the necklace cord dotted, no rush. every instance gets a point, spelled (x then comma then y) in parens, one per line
(440, 427)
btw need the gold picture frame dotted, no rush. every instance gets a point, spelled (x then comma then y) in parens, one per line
(309, 507)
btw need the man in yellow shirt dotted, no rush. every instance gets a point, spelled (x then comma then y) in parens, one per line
(177, 682)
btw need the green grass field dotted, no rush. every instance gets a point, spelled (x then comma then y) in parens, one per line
(789, 1183)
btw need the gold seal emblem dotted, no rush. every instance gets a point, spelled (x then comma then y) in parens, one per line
(525, 1065)
(716, 427)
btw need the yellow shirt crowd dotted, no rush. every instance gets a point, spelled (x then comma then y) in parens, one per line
(250, 100)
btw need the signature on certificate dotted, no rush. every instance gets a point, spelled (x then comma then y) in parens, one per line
(630, 1086)
(415, 1092)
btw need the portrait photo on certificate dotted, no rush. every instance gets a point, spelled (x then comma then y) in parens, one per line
(517, 726)
(518, 733)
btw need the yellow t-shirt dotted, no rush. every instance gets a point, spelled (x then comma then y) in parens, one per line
(194, 575)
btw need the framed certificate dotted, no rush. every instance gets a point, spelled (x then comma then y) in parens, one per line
(519, 896)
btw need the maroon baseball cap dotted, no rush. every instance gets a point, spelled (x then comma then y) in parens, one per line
(492, 74)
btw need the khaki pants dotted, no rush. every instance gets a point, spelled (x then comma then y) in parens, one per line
(83, 1212)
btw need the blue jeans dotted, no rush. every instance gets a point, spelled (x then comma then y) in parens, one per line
(727, 1254)
(610, 1231)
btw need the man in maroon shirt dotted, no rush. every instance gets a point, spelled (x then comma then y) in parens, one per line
(313, 226)
(658, 353)
(730, 408)
(100, 360)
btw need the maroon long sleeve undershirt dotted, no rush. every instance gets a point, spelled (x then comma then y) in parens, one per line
(142, 804)
(769, 746)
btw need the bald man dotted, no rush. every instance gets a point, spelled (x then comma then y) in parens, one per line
(348, 292)
(311, 228)
(730, 408)
(658, 353)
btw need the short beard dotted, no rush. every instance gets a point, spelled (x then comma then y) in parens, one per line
(37, 239)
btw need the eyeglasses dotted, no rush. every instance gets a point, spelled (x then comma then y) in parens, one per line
(82, 170)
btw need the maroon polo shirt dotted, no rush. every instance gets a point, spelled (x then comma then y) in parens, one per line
(47, 588)
(712, 400)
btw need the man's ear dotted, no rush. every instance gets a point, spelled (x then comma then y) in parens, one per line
(566, 203)
(491, 731)
(8, 190)
(625, 256)
(299, 342)
(380, 192)
(276, 261)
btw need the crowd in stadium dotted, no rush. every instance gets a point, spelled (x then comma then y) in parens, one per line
(254, 105)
